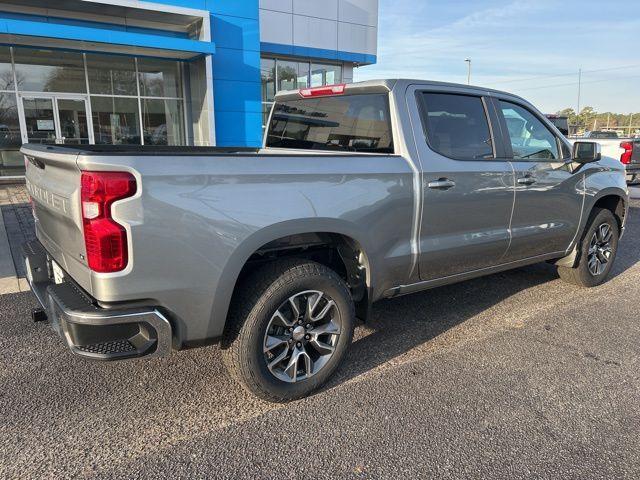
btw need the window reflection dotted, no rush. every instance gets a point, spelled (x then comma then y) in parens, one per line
(115, 121)
(325, 74)
(6, 70)
(111, 75)
(11, 162)
(49, 71)
(159, 78)
(162, 122)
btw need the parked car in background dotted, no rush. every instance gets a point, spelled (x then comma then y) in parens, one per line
(630, 158)
(601, 134)
(615, 147)
(560, 122)
(362, 192)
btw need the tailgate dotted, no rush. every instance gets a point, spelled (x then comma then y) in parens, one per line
(635, 155)
(53, 181)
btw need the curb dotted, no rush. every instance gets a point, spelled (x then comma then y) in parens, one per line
(9, 281)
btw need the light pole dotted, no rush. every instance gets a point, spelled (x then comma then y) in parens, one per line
(468, 60)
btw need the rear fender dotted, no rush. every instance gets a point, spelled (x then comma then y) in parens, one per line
(240, 256)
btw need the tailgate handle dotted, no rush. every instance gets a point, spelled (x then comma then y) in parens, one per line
(35, 162)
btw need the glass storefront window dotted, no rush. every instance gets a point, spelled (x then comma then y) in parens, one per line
(6, 70)
(111, 74)
(49, 71)
(279, 75)
(159, 78)
(62, 93)
(162, 122)
(40, 120)
(115, 120)
(11, 162)
(287, 75)
(325, 74)
(268, 77)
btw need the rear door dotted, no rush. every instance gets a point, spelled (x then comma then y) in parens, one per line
(548, 203)
(467, 184)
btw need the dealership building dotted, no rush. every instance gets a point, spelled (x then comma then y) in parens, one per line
(166, 72)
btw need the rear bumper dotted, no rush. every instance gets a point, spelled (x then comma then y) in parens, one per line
(87, 329)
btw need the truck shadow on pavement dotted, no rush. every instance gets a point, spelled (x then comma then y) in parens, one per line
(402, 324)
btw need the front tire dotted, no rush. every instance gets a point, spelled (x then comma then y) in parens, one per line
(289, 328)
(597, 251)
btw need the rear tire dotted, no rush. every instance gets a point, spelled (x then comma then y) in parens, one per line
(598, 249)
(289, 328)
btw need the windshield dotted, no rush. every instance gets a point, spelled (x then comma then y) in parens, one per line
(352, 123)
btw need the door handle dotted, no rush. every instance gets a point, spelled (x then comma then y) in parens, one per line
(441, 184)
(526, 181)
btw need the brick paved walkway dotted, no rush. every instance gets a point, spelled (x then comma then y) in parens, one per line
(18, 221)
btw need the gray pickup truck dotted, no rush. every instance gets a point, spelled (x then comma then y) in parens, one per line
(362, 192)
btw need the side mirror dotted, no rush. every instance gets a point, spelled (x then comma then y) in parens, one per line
(586, 152)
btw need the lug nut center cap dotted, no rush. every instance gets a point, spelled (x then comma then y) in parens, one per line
(298, 333)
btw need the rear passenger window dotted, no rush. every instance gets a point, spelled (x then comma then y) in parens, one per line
(457, 126)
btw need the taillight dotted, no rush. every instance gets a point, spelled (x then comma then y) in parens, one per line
(625, 158)
(323, 91)
(104, 238)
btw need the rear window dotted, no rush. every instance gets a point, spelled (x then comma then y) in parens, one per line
(350, 123)
(604, 135)
(457, 126)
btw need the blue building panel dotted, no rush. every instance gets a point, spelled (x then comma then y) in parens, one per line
(236, 26)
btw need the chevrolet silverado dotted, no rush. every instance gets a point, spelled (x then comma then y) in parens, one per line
(361, 192)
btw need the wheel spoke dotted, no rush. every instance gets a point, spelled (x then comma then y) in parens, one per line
(321, 347)
(274, 341)
(294, 306)
(323, 313)
(312, 303)
(330, 327)
(292, 367)
(279, 318)
(276, 361)
(602, 257)
(603, 233)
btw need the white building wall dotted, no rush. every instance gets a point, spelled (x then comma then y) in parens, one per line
(343, 25)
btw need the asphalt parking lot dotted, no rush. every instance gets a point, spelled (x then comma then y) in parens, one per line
(516, 375)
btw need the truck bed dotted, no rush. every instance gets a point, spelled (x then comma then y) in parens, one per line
(143, 150)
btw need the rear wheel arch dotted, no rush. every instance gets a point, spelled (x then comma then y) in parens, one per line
(239, 263)
(337, 251)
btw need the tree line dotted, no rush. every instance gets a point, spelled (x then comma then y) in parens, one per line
(589, 120)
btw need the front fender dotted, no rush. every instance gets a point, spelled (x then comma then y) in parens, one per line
(601, 179)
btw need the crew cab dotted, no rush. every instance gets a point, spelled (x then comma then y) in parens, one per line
(362, 192)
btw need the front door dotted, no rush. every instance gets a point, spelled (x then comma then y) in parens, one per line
(549, 195)
(467, 186)
(56, 120)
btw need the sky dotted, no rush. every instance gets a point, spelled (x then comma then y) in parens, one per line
(533, 48)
